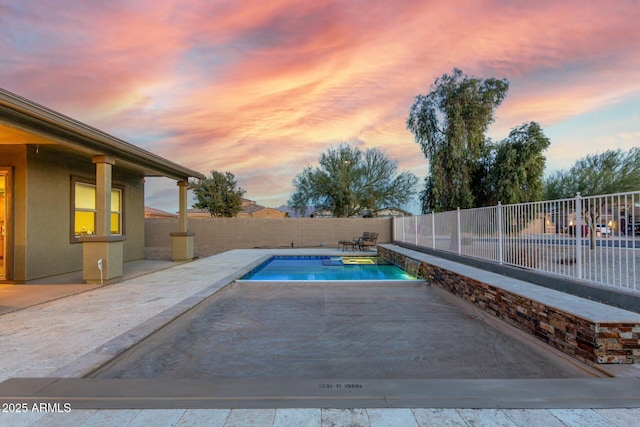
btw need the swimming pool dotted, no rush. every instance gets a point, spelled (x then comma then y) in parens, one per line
(330, 333)
(326, 268)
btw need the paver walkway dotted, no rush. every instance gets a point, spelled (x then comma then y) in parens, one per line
(373, 417)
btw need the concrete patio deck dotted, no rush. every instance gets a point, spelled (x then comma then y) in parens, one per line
(69, 336)
(19, 296)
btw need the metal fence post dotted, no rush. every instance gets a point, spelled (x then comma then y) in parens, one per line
(578, 236)
(459, 234)
(540, 236)
(416, 228)
(433, 230)
(403, 239)
(500, 253)
(394, 220)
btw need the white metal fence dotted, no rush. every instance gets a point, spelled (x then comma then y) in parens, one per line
(593, 238)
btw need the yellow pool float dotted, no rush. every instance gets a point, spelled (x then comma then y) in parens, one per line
(354, 260)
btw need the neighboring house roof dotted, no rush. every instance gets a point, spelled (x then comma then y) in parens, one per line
(24, 121)
(271, 213)
(250, 206)
(262, 212)
(150, 212)
(249, 209)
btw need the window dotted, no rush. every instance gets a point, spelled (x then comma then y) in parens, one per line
(84, 223)
(85, 209)
(116, 211)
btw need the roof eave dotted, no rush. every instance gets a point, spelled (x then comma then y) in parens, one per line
(23, 112)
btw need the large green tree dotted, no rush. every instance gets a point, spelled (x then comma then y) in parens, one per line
(349, 180)
(219, 194)
(515, 171)
(450, 123)
(613, 171)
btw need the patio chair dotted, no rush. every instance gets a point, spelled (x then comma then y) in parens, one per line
(367, 242)
(353, 242)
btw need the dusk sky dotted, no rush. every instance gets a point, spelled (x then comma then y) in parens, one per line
(262, 88)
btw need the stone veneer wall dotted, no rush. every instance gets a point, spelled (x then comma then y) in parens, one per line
(588, 341)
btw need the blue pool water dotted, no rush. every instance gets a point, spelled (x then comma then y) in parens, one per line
(326, 268)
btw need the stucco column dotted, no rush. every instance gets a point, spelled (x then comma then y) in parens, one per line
(183, 225)
(103, 194)
(182, 241)
(102, 253)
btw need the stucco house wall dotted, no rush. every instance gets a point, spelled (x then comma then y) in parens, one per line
(42, 200)
(43, 154)
(15, 156)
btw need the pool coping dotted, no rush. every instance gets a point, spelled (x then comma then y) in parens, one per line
(381, 281)
(591, 310)
(101, 393)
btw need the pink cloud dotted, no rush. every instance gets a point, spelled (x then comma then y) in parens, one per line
(263, 90)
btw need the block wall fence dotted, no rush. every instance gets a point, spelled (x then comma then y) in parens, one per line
(216, 235)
